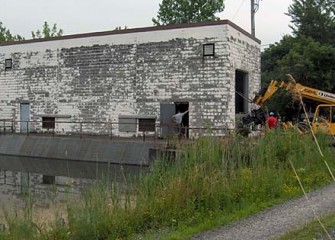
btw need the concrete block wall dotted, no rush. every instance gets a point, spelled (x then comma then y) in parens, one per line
(97, 77)
(246, 57)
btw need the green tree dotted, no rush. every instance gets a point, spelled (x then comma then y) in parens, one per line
(309, 54)
(185, 11)
(118, 28)
(47, 31)
(313, 18)
(311, 63)
(308, 61)
(270, 57)
(6, 35)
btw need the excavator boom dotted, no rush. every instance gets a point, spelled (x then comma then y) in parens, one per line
(314, 94)
(266, 94)
(299, 91)
(296, 89)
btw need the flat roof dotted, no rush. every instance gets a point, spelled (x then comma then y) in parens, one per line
(134, 30)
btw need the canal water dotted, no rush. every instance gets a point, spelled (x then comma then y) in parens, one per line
(39, 165)
(50, 180)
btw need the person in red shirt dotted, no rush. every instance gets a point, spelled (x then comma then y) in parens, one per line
(271, 121)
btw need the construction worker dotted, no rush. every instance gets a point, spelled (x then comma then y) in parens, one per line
(271, 121)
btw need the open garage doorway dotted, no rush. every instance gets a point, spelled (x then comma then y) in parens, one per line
(241, 95)
(241, 92)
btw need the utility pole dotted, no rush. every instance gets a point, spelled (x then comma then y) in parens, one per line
(254, 9)
(253, 33)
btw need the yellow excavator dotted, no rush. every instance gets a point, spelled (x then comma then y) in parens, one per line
(324, 115)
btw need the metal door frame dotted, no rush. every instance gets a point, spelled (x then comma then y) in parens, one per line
(24, 118)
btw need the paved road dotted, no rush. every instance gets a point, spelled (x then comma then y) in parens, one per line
(277, 220)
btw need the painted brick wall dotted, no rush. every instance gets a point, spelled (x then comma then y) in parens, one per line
(98, 78)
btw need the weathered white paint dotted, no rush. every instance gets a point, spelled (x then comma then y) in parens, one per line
(98, 78)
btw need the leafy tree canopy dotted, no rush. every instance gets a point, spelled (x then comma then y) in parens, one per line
(47, 31)
(270, 59)
(311, 62)
(120, 28)
(309, 54)
(6, 35)
(308, 61)
(185, 11)
(313, 18)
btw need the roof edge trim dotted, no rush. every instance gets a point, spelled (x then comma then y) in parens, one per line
(135, 30)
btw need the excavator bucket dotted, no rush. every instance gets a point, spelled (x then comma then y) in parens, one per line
(256, 116)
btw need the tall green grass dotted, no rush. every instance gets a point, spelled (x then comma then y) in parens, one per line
(215, 179)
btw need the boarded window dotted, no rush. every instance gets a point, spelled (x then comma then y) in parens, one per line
(48, 179)
(146, 125)
(127, 124)
(48, 122)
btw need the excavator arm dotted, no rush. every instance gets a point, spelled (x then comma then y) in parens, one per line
(266, 94)
(296, 89)
(299, 91)
(257, 116)
(314, 94)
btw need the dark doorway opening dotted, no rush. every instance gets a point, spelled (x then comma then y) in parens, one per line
(168, 126)
(241, 92)
(182, 107)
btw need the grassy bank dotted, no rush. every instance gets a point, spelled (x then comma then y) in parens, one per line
(216, 181)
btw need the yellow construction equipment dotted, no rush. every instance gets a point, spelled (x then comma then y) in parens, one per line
(324, 115)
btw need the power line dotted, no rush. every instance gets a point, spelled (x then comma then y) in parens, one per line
(238, 9)
(256, 6)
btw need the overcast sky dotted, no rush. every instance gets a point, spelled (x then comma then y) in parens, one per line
(82, 16)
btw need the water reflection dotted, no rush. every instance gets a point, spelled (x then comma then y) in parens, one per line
(43, 178)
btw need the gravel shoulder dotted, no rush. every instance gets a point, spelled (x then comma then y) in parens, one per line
(277, 220)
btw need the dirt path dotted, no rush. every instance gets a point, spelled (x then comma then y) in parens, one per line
(277, 220)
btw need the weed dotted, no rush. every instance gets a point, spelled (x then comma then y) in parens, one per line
(215, 181)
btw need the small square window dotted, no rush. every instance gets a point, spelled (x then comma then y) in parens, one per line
(208, 49)
(8, 64)
(48, 122)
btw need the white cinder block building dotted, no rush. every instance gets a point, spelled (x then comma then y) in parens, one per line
(133, 77)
